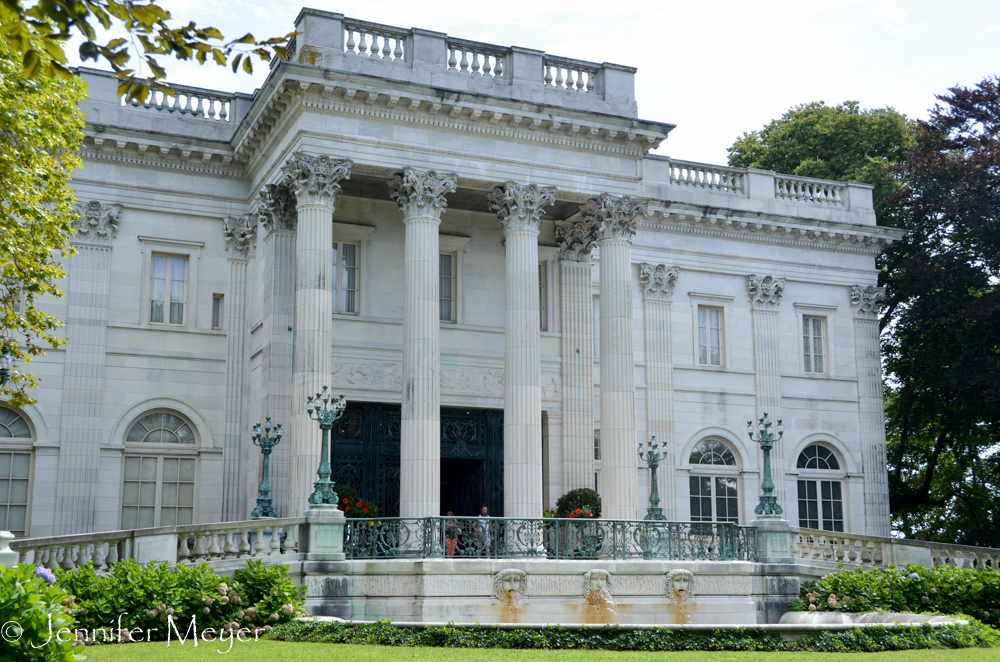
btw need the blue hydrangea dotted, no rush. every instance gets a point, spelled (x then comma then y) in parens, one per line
(44, 573)
(914, 575)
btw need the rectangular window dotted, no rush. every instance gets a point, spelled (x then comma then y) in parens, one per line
(217, 311)
(701, 498)
(177, 497)
(813, 345)
(14, 492)
(168, 289)
(345, 278)
(821, 505)
(722, 490)
(139, 494)
(597, 444)
(543, 297)
(158, 491)
(447, 279)
(709, 336)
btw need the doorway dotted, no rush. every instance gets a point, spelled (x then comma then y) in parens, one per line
(463, 488)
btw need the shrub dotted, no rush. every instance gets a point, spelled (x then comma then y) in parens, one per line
(29, 606)
(350, 501)
(870, 639)
(146, 596)
(584, 499)
(945, 590)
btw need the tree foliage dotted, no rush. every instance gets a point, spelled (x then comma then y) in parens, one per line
(942, 340)
(843, 143)
(39, 32)
(40, 130)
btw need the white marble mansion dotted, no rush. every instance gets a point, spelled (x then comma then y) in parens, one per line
(474, 245)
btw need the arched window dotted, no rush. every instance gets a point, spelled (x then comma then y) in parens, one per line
(714, 493)
(158, 489)
(821, 495)
(15, 471)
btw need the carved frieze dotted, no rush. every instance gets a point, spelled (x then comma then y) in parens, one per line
(422, 192)
(867, 300)
(97, 222)
(241, 235)
(680, 586)
(520, 206)
(765, 291)
(576, 240)
(276, 208)
(473, 382)
(657, 281)
(315, 179)
(614, 217)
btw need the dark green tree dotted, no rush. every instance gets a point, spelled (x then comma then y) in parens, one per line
(844, 143)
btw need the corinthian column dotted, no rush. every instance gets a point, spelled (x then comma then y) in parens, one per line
(871, 409)
(420, 195)
(82, 430)
(576, 240)
(616, 220)
(520, 209)
(315, 182)
(241, 238)
(657, 284)
(765, 295)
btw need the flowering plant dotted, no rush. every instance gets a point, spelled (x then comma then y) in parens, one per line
(359, 508)
(580, 513)
(549, 514)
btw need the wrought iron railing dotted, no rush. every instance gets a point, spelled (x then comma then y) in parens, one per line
(501, 537)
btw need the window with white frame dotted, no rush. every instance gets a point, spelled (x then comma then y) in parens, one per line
(543, 296)
(345, 278)
(714, 483)
(217, 310)
(15, 471)
(158, 486)
(446, 273)
(814, 344)
(709, 336)
(821, 500)
(168, 289)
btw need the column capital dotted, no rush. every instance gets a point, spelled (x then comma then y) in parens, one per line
(97, 222)
(576, 240)
(421, 192)
(657, 281)
(276, 208)
(866, 301)
(241, 235)
(765, 291)
(520, 206)
(315, 179)
(614, 217)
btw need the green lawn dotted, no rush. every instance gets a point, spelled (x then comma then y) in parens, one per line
(273, 651)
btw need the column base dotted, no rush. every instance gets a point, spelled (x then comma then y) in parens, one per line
(774, 535)
(323, 535)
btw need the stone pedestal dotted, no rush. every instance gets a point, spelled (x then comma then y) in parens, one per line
(774, 535)
(420, 196)
(321, 538)
(8, 557)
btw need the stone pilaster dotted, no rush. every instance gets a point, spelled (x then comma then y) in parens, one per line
(657, 284)
(866, 302)
(765, 296)
(276, 213)
(520, 210)
(82, 432)
(421, 198)
(616, 220)
(576, 240)
(315, 182)
(241, 238)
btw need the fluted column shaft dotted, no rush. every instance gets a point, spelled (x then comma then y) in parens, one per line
(765, 296)
(420, 196)
(233, 486)
(520, 208)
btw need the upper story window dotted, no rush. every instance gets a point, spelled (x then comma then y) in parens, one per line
(820, 495)
(168, 289)
(446, 273)
(217, 310)
(345, 278)
(813, 344)
(709, 336)
(161, 428)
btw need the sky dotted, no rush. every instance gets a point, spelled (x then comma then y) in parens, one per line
(712, 67)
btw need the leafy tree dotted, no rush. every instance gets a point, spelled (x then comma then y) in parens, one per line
(843, 143)
(40, 130)
(942, 321)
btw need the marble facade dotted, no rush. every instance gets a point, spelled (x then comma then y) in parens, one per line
(579, 263)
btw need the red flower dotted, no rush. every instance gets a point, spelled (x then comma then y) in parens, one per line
(571, 515)
(366, 511)
(359, 504)
(345, 500)
(578, 511)
(588, 514)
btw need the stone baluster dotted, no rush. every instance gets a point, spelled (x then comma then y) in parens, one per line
(99, 555)
(183, 551)
(244, 542)
(576, 241)
(292, 541)
(86, 555)
(66, 557)
(200, 548)
(616, 220)
(275, 542)
(258, 542)
(113, 554)
(315, 182)
(421, 199)
(229, 547)
(213, 543)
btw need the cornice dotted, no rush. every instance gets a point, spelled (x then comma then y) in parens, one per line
(161, 153)
(870, 240)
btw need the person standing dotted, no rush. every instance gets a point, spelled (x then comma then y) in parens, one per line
(484, 529)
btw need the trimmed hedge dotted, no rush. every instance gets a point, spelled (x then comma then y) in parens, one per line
(944, 590)
(870, 639)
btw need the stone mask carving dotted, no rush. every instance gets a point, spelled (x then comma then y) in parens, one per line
(680, 585)
(509, 586)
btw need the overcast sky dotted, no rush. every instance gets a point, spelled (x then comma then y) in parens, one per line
(712, 67)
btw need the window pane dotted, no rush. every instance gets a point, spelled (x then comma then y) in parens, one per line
(168, 517)
(185, 494)
(148, 470)
(156, 312)
(159, 266)
(177, 268)
(131, 468)
(130, 494)
(18, 491)
(16, 517)
(349, 284)
(444, 263)
(217, 312)
(176, 313)
(147, 494)
(445, 310)
(187, 470)
(170, 469)
(4, 491)
(130, 518)
(184, 516)
(146, 515)
(334, 272)
(6, 461)
(20, 465)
